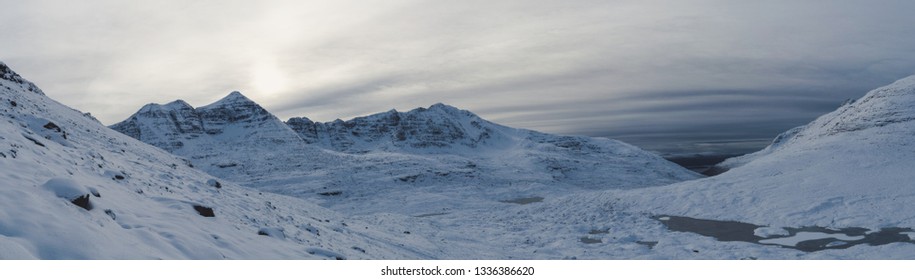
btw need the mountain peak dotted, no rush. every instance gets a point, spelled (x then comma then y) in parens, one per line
(171, 106)
(234, 99)
(442, 108)
(178, 105)
(236, 96)
(150, 107)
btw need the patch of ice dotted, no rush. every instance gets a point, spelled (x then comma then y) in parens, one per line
(766, 232)
(806, 236)
(910, 234)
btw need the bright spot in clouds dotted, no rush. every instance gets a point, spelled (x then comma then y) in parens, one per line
(267, 80)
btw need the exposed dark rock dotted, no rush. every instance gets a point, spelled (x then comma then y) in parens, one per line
(437, 126)
(51, 125)
(650, 244)
(111, 214)
(334, 193)
(272, 232)
(8, 74)
(35, 141)
(214, 183)
(82, 201)
(326, 253)
(204, 211)
(588, 240)
(411, 178)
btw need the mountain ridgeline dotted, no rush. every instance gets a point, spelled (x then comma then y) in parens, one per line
(440, 147)
(438, 127)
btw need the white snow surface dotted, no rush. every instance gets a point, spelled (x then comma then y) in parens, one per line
(65, 188)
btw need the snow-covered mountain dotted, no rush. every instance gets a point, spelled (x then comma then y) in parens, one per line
(364, 164)
(234, 118)
(70, 188)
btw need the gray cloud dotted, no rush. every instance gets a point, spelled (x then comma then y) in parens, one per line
(669, 76)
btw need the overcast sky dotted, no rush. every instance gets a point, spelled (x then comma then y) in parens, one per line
(670, 76)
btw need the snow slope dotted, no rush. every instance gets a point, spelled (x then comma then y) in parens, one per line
(420, 160)
(70, 188)
(849, 168)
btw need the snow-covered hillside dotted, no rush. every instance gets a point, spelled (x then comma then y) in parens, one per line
(849, 168)
(369, 163)
(70, 188)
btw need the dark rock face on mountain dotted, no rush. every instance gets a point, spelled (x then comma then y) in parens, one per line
(233, 109)
(439, 126)
(8, 74)
(171, 125)
(176, 121)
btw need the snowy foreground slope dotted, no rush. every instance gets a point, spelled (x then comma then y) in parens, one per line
(421, 160)
(70, 188)
(851, 167)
